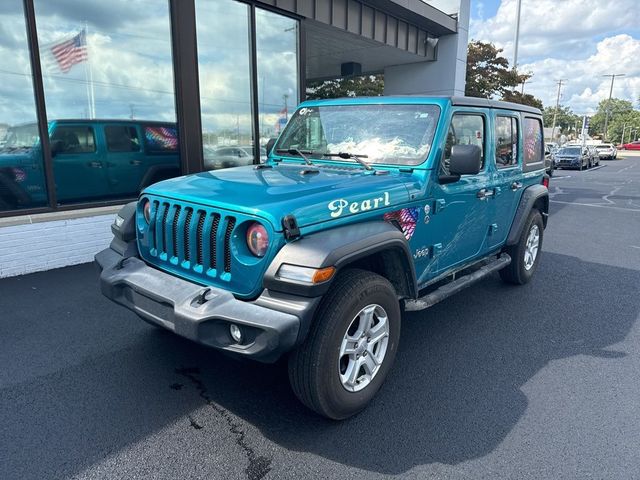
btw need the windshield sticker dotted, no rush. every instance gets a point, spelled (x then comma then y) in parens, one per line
(337, 207)
(406, 219)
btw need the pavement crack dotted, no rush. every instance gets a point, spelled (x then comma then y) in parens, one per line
(194, 424)
(259, 465)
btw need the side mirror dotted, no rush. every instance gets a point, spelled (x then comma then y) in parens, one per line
(465, 160)
(56, 147)
(270, 144)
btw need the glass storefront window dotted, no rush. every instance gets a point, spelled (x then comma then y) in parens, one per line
(100, 65)
(277, 54)
(224, 78)
(22, 176)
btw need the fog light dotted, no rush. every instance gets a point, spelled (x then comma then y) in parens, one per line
(235, 332)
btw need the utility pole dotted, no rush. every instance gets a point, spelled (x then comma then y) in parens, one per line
(606, 118)
(522, 90)
(517, 36)
(555, 113)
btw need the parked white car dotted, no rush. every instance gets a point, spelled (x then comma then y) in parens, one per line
(607, 151)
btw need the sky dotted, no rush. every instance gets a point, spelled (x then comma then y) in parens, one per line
(578, 41)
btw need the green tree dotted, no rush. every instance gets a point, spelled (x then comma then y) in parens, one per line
(566, 120)
(488, 73)
(617, 107)
(366, 85)
(526, 99)
(628, 122)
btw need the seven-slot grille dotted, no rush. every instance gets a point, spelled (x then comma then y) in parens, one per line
(192, 237)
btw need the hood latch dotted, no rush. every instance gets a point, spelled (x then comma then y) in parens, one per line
(290, 225)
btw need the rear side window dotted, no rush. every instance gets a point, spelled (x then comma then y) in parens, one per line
(122, 138)
(506, 141)
(161, 139)
(465, 129)
(533, 150)
(74, 139)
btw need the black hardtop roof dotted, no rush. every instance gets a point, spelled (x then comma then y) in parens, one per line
(110, 120)
(487, 103)
(455, 100)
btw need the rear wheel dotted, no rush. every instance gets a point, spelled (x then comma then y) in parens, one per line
(350, 348)
(525, 255)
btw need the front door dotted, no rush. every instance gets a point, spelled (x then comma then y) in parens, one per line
(77, 164)
(125, 159)
(459, 212)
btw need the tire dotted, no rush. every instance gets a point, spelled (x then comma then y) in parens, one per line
(316, 368)
(520, 271)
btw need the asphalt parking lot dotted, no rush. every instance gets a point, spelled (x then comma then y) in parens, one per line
(539, 381)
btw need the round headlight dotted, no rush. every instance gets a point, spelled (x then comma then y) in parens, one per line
(257, 239)
(146, 210)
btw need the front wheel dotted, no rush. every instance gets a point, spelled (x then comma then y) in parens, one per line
(525, 255)
(350, 348)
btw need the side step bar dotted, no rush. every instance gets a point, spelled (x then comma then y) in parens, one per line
(456, 285)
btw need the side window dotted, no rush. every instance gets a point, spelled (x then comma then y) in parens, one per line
(533, 149)
(465, 129)
(161, 139)
(122, 138)
(74, 139)
(506, 141)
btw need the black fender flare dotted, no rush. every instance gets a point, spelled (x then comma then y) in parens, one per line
(341, 247)
(12, 190)
(124, 231)
(535, 196)
(153, 174)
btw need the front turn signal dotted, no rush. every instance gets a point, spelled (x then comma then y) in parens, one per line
(305, 274)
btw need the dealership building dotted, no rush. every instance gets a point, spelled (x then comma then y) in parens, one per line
(99, 99)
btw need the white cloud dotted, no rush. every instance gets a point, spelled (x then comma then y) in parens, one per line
(576, 40)
(585, 85)
(559, 29)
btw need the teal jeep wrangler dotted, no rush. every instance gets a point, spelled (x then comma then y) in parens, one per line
(365, 207)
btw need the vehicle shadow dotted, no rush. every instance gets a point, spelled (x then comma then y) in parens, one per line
(454, 392)
(453, 395)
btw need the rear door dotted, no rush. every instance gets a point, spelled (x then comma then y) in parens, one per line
(506, 165)
(125, 159)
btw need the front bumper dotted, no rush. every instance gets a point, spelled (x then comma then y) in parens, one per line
(271, 324)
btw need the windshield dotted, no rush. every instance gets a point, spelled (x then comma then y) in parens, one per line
(387, 134)
(570, 151)
(21, 137)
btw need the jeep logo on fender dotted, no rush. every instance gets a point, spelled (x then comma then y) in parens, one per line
(338, 206)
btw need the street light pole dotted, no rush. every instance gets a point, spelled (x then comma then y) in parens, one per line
(624, 127)
(555, 113)
(606, 118)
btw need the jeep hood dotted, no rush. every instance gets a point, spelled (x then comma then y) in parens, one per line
(15, 157)
(271, 193)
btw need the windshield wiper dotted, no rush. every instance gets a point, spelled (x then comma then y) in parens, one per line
(295, 151)
(347, 155)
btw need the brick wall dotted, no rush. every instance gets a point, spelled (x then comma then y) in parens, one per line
(40, 246)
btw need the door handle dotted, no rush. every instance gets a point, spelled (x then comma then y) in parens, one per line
(95, 164)
(135, 162)
(485, 193)
(516, 186)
